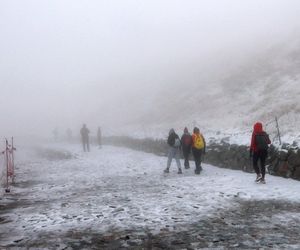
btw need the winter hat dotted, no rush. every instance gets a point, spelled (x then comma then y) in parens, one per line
(185, 130)
(196, 130)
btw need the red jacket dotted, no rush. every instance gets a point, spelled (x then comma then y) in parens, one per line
(257, 129)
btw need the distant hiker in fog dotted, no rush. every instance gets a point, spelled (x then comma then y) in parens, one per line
(84, 131)
(198, 148)
(174, 151)
(99, 137)
(186, 145)
(259, 151)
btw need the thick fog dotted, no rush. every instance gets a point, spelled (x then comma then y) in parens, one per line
(114, 63)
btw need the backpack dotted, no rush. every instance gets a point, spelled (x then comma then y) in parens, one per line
(177, 143)
(199, 142)
(261, 142)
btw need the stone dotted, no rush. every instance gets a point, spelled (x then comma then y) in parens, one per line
(282, 169)
(294, 158)
(283, 155)
(296, 174)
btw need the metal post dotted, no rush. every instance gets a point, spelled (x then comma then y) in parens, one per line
(12, 159)
(278, 132)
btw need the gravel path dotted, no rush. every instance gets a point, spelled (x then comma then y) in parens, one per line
(251, 225)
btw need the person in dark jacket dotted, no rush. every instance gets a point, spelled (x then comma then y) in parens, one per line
(174, 151)
(186, 145)
(84, 131)
(259, 151)
(198, 148)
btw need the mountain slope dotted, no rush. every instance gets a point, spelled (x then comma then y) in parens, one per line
(264, 86)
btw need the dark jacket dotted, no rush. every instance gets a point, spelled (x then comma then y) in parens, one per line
(186, 142)
(172, 137)
(84, 131)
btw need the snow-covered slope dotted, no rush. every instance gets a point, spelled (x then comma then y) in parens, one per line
(231, 98)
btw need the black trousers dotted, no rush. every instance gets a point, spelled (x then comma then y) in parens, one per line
(186, 154)
(86, 144)
(197, 153)
(261, 157)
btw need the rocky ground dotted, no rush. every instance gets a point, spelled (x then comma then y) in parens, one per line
(251, 225)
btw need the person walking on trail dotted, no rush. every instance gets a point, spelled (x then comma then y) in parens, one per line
(99, 137)
(186, 145)
(174, 151)
(84, 131)
(259, 151)
(198, 148)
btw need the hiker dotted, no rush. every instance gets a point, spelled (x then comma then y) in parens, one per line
(174, 151)
(259, 151)
(99, 137)
(186, 145)
(84, 131)
(198, 148)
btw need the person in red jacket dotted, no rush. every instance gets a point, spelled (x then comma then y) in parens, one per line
(259, 151)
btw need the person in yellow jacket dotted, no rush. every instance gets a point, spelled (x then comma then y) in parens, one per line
(198, 148)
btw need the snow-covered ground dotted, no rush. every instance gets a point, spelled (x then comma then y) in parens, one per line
(117, 189)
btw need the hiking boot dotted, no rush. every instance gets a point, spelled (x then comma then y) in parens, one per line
(179, 171)
(258, 178)
(186, 167)
(166, 171)
(262, 181)
(197, 171)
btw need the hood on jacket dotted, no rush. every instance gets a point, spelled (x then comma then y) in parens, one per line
(258, 128)
(172, 131)
(196, 130)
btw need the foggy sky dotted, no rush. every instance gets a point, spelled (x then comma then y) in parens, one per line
(63, 63)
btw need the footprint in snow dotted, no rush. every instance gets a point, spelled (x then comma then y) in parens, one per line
(242, 195)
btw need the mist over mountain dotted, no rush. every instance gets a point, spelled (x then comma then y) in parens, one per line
(261, 87)
(136, 67)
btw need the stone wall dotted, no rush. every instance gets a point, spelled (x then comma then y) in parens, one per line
(283, 161)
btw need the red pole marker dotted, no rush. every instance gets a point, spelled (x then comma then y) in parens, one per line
(7, 190)
(10, 164)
